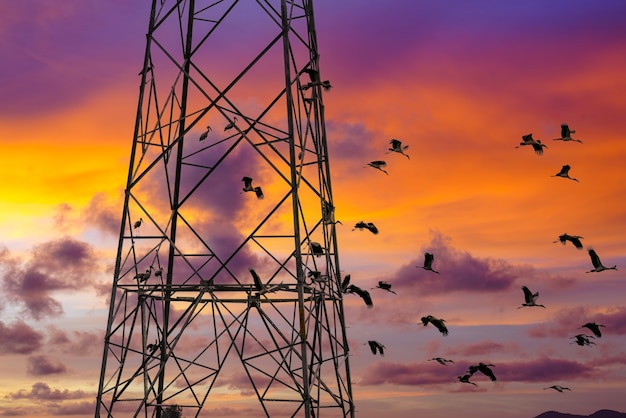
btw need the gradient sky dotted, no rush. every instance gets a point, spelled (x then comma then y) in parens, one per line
(458, 81)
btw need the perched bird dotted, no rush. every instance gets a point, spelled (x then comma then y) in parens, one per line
(574, 239)
(364, 294)
(441, 360)
(142, 277)
(558, 388)
(262, 288)
(564, 173)
(205, 134)
(369, 226)
(159, 272)
(566, 134)
(530, 298)
(535, 143)
(152, 347)
(465, 379)
(378, 165)
(437, 323)
(375, 346)
(316, 248)
(428, 263)
(248, 187)
(595, 328)
(231, 124)
(396, 146)
(384, 286)
(315, 80)
(597, 264)
(484, 369)
(583, 340)
(138, 223)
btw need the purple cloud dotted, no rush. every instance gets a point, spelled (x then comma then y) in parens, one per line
(567, 322)
(61, 265)
(80, 343)
(19, 338)
(42, 392)
(43, 365)
(482, 348)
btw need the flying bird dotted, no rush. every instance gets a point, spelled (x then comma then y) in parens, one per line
(384, 286)
(205, 134)
(574, 239)
(231, 124)
(396, 146)
(564, 173)
(437, 323)
(345, 283)
(378, 165)
(530, 298)
(484, 369)
(375, 346)
(595, 328)
(441, 360)
(369, 226)
(428, 263)
(558, 388)
(597, 264)
(535, 143)
(364, 294)
(465, 379)
(248, 187)
(566, 134)
(583, 340)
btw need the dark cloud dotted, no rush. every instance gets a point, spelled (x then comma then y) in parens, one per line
(61, 265)
(567, 322)
(43, 365)
(19, 338)
(542, 370)
(411, 374)
(482, 348)
(459, 271)
(42, 392)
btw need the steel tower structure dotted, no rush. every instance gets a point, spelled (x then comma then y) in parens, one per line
(227, 292)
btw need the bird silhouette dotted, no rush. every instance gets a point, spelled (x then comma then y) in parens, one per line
(248, 187)
(437, 323)
(530, 298)
(484, 369)
(316, 248)
(315, 80)
(558, 388)
(396, 146)
(597, 264)
(595, 328)
(441, 360)
(364, 294)
(378, 165)
(263, 288)
(369, 226)
(465, 379)
(566, 134)
(142, 277)
(564, 173)
(583, 340)
(345, 283)
(384, 286)
(138, 223)
(535, 143)
(574, 239)
(428, 263)
(231, 124)
(376, 347)
(204, 134)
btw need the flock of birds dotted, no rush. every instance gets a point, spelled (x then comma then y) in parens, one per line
(530, 297)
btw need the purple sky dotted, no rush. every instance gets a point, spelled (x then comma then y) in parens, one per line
(459, 82)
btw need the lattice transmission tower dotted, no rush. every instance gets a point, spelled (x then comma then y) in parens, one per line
(227, 292)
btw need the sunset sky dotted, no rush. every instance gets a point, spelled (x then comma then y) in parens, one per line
(458, 81)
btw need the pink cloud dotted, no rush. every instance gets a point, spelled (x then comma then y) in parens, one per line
(42, 392)
(42, 365)
(19, 338)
